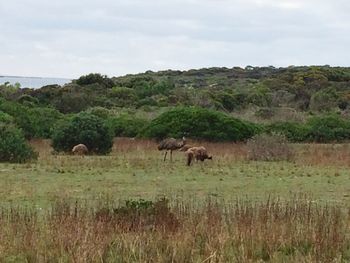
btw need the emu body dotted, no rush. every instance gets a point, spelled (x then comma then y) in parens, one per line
(198, 153)
(80, 149)
(171, 144)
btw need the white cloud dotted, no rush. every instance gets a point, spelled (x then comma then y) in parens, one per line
(68, 38)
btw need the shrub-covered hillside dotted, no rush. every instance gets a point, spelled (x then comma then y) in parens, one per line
(294, 101)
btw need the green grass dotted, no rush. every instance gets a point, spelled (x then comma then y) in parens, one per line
(139, 172)
(70, 209)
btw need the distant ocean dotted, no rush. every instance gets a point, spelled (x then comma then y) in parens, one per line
(33, 82)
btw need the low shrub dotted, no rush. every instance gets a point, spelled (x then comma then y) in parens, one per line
(199, 123)
(294, 132)
(330, 128)
(83, 128)
(13, 146)
(269, 147)
(127, 125)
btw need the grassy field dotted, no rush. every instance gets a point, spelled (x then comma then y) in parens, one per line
(135, 170)
(66, 208)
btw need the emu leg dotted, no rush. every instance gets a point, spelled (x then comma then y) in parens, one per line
(166, 152)
(171, 155)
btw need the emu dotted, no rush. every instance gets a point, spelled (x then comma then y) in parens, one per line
(199, 153)
(80, 149)
(171, 144)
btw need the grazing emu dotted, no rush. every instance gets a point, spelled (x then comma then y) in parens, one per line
(185, 148)
(80, 149)
(200, 153)
(171, 144)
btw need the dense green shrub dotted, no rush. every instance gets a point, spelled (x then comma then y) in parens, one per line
(83, 128)
(13, 147)
(100, 112)
(20, 115)
(127, 125)
(329, 128)
(36, 122)
(42, 121)
(294, 132)
(199, 123)
(6, 118)
(93, 78)
(323, 129)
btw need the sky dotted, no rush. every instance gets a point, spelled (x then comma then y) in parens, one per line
(69, 38)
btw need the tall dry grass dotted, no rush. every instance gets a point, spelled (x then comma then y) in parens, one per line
(240, 231)
(306, 154)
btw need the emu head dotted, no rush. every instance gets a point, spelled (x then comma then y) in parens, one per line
(183, 140)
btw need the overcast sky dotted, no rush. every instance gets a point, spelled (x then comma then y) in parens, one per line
(68, 38)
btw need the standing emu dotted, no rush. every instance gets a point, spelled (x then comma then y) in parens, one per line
(198, 153)
(171, 144)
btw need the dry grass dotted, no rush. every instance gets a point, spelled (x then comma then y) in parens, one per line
(240, 231)
(193, 227)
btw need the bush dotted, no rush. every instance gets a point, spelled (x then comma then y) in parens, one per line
(127, 125)
(100, 112)
(6, 118)
(199, 123)
(267, 147)
(83, 128)
(294, 132)
(93, 78)
(331, 128)
(13, 147)
(42, 121)
(35, 122)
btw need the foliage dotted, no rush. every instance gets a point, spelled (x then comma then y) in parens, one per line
(324, 100)
(83, 128)
(294, 132)
(13, 147)
(127, 125)
(100, 112)
(36, 122)
(6, 118)
(329, 128)
(266, 147)
(93, 78)
(199, 123)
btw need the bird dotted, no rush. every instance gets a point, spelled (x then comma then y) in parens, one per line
(80, 149)
(198, 153)
(171, 144)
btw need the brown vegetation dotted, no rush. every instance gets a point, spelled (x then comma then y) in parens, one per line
(144, 231)
(265, 147)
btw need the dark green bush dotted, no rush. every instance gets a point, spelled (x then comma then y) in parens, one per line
(13, 146)
(42, 121)
(331, 128)
(36, 122)
(199, 123)
(6, 118)
(323, 129)
(100, 112)
(127, 125)
(294, 132)
(93, 78)
(83, 128)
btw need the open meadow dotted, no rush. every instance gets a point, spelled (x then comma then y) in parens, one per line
(130, 206)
